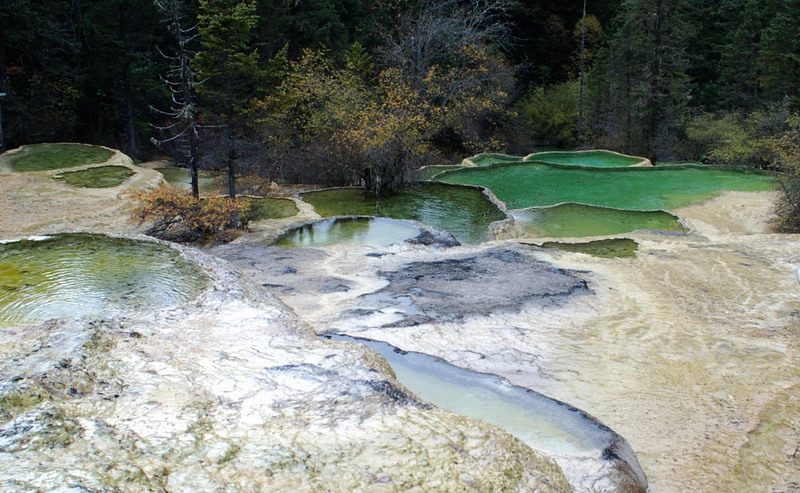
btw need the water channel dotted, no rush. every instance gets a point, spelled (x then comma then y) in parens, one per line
(587, 451)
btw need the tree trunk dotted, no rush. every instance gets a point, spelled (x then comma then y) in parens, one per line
(2, 93)
(655, 85)
(231, 162)
(133, 136)
(193, 141)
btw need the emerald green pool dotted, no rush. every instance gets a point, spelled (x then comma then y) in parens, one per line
(646, 188)
(74, 275)
(585, 158)
(375, 232)
(181, 178)
(97, 177)
(463, 211)
(577, 220)
(608, 248)
(55, 156)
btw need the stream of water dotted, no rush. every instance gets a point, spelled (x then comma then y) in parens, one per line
(583, 446)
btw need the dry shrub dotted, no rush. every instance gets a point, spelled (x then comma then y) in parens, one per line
(788, 206)
(176, 215)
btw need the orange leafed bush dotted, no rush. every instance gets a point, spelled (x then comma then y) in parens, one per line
(176, 214)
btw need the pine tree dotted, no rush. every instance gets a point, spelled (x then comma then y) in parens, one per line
(229, 64)
(779, 58)
(643, 89)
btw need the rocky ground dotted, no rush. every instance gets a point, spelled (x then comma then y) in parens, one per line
(689, 350)
(231, 392)
(34, 203)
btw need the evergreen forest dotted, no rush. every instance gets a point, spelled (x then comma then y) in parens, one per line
(348, 92)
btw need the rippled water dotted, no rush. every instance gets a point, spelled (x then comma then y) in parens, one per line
(352, 231)
(74, 275)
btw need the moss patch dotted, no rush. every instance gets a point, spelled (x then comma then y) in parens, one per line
(55, 156)
(20, 400)
(270, 208)
(610, 248)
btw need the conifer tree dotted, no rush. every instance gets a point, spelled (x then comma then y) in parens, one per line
(229, 65)
(642, 87)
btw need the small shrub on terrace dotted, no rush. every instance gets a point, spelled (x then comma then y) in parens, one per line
(175, 214)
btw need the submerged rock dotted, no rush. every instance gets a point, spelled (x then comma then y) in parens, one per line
(232, 392)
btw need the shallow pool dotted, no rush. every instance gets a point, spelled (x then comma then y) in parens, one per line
(576, 220)
(583, 446)
(465, 212)
(606, 248)
(75, 275)
(375, 232)
(646, 188)
(181, 178)
(97, 177)
(485, 159)
(597, 158)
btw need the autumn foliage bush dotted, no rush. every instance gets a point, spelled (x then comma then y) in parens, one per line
(174, 214)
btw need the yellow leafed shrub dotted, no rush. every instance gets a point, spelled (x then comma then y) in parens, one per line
(175, 214)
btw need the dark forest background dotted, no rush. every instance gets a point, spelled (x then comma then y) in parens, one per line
(353, 91)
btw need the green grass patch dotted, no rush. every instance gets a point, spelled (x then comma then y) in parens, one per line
(56, 156)
(98, 177)
(270, 208)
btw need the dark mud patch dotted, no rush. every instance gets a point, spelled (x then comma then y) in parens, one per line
(500, 280)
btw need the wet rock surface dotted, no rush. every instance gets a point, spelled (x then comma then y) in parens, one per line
(388, 292)
(451, 286)
(688, 350)
(498, 280)
(283, 270)
(231, 392)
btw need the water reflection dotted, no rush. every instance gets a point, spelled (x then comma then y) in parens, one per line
(375, 232)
